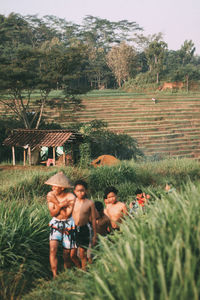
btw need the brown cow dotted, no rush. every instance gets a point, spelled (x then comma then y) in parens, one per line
(105, 160)
(171, 85)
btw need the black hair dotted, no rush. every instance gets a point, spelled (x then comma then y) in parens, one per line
(108, 190)
(138, 191)
(81, 182)
(99, 207)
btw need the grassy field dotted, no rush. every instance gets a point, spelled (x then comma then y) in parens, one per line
(154, 256)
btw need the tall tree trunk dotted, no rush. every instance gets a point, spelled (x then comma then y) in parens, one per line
(157, 77)
(187, 83)
(40, 115)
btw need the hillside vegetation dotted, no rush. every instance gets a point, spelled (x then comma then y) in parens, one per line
(171, 127)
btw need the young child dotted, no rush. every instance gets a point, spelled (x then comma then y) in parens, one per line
(115, 210)
(103, 225)
(140, 201)
(62, 226)
(169, 188)
(83, 213)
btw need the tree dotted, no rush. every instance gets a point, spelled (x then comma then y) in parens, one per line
(99, 140)
(119, 60)
(44, 67)
(100, 35)
(186, 53)
(155, 54)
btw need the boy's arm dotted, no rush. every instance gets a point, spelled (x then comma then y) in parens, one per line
(109, 226)
(93, 220)
(69, 203)
(53, 209)
(52, 198)
(53, 204)
(124, 209)
(106, 212)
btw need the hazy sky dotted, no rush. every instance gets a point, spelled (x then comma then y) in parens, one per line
(178, 20)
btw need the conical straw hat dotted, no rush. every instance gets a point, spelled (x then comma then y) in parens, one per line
(59, 179)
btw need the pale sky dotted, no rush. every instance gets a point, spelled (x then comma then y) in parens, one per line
(178, 20)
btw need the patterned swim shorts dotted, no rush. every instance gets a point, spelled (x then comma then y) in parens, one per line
(63, 231)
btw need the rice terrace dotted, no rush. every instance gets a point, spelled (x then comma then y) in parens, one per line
(99, 162)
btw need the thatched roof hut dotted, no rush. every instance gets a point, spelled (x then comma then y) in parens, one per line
(32, 139)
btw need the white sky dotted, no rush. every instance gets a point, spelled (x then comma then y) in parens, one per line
(178, 20)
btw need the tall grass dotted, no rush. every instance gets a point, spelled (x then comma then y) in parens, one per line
(155, 256)
(152, 254)
(23, 246)
(29, 184)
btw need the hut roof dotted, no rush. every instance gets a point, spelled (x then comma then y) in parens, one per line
(35, 138)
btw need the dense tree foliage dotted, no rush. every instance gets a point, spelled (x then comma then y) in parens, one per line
(120, 60)
(99, 140)
(44, 54)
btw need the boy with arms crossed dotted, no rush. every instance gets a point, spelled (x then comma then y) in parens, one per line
(83, 213)
(115, 210)
(62, 225)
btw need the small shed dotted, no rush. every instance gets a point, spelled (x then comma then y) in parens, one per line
(32, 139)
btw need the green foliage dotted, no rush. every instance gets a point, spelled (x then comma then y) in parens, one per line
(103, 141)
(23, 246)
(156, 254)
(102, 177)
(142, 82)
(157, 249)
(85, 155)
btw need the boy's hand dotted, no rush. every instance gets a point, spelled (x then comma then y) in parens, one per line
(62, 204)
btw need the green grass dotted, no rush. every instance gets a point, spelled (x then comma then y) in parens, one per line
(143, 254)
(156, 256)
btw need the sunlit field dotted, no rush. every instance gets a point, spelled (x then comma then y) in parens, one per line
(154, 256)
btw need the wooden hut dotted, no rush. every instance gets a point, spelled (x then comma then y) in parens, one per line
(33, 139)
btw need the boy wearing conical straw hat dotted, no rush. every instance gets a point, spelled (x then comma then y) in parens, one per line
(62, 226)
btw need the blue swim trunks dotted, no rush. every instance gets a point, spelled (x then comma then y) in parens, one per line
(63, 231)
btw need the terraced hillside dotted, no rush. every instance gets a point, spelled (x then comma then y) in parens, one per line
(170, 127)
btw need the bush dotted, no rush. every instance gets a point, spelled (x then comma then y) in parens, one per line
(102, 177)
(142, 82)
(103, 141)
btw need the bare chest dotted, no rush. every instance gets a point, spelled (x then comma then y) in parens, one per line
(114, 210)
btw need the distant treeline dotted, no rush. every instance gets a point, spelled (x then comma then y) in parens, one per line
(110, 53)
(49, 53)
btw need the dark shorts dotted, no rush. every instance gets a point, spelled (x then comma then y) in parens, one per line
(83, 236)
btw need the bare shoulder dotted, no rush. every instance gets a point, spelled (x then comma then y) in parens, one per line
(70, 196)
(122, 204)
(50, 196)
(89, 202)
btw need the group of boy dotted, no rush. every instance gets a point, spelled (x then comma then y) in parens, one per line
(77, 220)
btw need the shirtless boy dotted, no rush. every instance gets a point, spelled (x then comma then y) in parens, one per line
(62, 226)
(103, 225)
(83, 213)
(115, 210)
